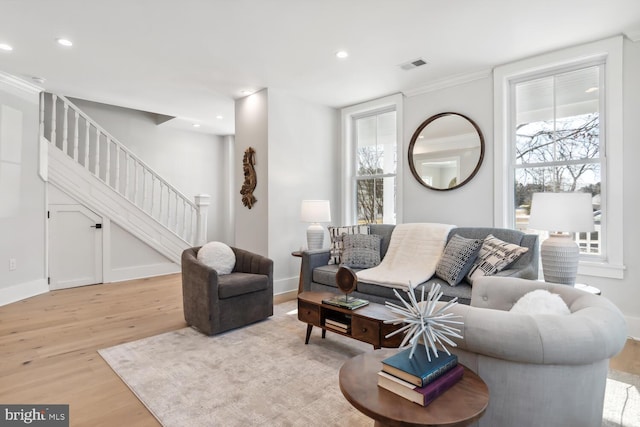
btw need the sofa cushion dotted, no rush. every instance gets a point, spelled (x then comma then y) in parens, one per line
(326, 275)
(337, 246)
(462, 291)
(457, 259)
(234, 284)
(361, 250)
(494, 256)
(218, 256)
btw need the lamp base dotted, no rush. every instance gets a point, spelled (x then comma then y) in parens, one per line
(315, 236)
(560, 255)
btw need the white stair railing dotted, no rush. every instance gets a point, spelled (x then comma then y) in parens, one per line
(115, 165)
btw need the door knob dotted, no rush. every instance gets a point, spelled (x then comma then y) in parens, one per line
(97, 226)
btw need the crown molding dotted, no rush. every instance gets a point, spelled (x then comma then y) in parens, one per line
(18, 86)
(633, 35)
(448, 82)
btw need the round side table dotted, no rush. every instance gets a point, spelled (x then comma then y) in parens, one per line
(588, 288)
(459, 406)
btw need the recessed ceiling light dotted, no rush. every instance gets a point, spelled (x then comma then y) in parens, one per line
(591, 89)
(219, 117)
(64, 42)
(342, 54)
(196, 125)
(4, 46)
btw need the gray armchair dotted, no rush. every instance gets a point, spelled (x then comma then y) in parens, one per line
(214, 304)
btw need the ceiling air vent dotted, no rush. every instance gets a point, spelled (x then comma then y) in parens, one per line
(413, 64)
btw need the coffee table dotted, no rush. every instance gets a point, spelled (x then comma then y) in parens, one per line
(364, 324)
(461, 405)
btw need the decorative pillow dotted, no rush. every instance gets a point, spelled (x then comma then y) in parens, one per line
(361, 250)
(540, 301)
(336, 234)
(218, 256)
(457, 259)
(494, 256)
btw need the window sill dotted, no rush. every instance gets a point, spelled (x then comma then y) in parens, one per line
(601, 269)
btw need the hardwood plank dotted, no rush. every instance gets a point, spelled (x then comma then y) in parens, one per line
(49, 343)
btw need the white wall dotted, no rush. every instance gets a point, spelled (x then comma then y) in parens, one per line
(251, 225)
(193, 162)
(296, 144)
(22, 194)
(471, 204)
(303, 164)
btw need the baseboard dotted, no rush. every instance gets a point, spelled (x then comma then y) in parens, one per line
(633, 325)
(285, 296)
(23, 290)
(141, 272)
(281, 286)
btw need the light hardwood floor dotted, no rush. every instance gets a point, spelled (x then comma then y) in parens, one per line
(49, 343)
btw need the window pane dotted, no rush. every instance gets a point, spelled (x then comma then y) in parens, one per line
(376, 144)
(567, 178)
(376, 200)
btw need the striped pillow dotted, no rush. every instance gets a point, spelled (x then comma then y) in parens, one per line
(494, 256)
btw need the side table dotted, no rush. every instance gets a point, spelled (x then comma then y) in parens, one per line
(461, 405)
(588, 288)
(299, 255)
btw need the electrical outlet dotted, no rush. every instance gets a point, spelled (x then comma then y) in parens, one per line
(12, 263)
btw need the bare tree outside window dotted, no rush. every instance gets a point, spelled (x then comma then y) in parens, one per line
(557, 143)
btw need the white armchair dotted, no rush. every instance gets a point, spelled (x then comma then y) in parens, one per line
(542, 370)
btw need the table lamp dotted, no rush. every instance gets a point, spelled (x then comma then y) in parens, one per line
(561, 214)
(315, 212)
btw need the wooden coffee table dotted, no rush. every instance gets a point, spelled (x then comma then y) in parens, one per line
(365, 323)
(459, 406)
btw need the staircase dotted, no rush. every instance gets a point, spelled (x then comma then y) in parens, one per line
(92, 166)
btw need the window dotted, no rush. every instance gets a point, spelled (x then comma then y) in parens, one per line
(558, 127)
(556, 143)
(371, 149)
(376, 160)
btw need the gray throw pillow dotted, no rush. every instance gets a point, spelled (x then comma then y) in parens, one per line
(361, 250)
(337, 234)
(457, 259)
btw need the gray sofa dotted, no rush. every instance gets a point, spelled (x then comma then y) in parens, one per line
(317, 275)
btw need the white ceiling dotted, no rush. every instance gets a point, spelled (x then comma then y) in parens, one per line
(191, 58)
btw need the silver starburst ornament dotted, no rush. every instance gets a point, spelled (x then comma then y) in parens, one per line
(424, 321)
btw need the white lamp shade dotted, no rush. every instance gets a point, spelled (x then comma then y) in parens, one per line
(315, 211)
(567, 212)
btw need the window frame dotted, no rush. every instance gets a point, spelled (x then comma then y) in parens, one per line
(349, 214)
(600, 160)
(609, 52)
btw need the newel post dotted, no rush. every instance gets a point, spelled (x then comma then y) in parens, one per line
(202, 202)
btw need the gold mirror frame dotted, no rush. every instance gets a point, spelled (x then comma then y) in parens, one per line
(448, 155)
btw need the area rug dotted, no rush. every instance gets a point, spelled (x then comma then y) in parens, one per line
(264, 374)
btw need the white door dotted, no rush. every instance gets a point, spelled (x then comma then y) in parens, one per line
(75, 246)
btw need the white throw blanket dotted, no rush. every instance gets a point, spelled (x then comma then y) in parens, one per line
(414, 252)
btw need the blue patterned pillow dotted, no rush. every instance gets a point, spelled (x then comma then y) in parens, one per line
(361, 250)
(457, 259)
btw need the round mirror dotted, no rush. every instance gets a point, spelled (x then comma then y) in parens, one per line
(446, 151)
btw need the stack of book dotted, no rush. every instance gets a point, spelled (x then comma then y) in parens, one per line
(418, 379)
(339, 322)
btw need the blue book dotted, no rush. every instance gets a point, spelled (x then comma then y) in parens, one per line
(418, 370)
